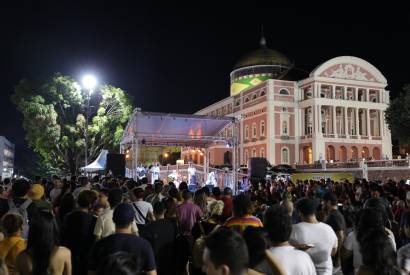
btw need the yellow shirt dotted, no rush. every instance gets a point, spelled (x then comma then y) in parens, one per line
(9, 250)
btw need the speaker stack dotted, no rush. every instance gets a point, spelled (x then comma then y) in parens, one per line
(116, 164)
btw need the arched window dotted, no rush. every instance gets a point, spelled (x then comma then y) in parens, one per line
(254, 96)
(254, 133)
(262, 152)
(285, 127)
(262, 93)
(254, 153)
(246, 156)
(262, 128)
(285, 156)
(247, 99)
(246, 131)
(284, 92)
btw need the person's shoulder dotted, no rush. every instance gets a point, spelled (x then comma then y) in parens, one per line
(63, 251)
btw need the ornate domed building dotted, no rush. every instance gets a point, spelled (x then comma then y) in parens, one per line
(258, 66)
(335, 113)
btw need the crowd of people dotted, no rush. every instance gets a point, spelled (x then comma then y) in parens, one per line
(121, 226)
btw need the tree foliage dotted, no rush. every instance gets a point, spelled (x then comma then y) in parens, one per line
(398, 116)
(54, 118)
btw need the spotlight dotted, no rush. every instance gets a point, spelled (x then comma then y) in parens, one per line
(166, 155)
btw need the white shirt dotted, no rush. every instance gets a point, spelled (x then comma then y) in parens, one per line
(352, 244)
(294, 261)
(105, 225)
(324, 240)
(144, 208)
(54, 193)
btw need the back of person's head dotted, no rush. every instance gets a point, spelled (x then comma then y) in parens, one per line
(226, 251)
(123, 215)
(256, 243)
(307, 207)
(170, 207)
(158, 187)
(83, 181)
(227, 191)
(86, 199)
(242, 205)
(330, 197)
(159, 208)
(173, 193)
(120, 263)
(288, 205)
(183, 186)
(278, 224)
(369, 219)
(377, 252)
(138, 193)
(42, 239)
(11, 223)
(114, 197)
(216, 192)
(186, 195)
(216, 208)
(20, 188)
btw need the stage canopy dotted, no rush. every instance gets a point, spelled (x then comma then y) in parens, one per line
(98, 164)
(162, 129)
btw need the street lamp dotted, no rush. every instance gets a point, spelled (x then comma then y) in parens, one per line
(89, 82)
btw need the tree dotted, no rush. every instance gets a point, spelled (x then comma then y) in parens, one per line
(398, 116)
(55, 122)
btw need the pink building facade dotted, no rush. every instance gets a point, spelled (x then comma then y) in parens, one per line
(336, 113)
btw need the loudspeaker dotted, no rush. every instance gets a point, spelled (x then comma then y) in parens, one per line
(116, 163)
(257, 167)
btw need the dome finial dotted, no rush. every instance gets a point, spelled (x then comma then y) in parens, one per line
(263, 40)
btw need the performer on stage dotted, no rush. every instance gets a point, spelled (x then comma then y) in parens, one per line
(155, 172)
(211, 179)
(191, 174)
(141, 172)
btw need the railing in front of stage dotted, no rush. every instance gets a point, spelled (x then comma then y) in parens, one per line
(224, 178)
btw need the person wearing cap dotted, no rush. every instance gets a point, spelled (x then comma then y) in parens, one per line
(36, 194)
(123, 240)
(316, 238)
(336, 220)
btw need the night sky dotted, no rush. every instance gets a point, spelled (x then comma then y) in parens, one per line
(178, 58)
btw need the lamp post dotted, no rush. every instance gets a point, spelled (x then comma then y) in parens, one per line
(89, 82)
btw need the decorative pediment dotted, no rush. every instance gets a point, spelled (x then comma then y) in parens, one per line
(349, 67)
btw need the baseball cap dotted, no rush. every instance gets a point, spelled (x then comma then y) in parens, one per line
(123, 214)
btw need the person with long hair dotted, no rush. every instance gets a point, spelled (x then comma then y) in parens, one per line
(43, 254)
(201, 200)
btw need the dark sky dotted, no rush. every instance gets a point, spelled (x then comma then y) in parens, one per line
(178, 58)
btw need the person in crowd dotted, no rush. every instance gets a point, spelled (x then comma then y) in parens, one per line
(228, 203)
(161, 234)
(104, 225)
(288, 204)
(103, 198)
(157, 195)
(317, 238)
(36, 194)
(84, 184)
(13, 244)
(336, 220)
(216, 193)
(78, 231)
(66, 205)
(43, 254)
(200, 199)
(278, 225)
(378, 256)
(57, 188)
(171, 209)
(368, 219)
(144, 212)
(225, 253)
(242, 214)
(403, 254)
(188, 213)
(120, 263)
(3, 268)
(123, 240)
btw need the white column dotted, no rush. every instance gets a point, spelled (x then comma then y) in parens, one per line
(356, 94)
(367, 95)
(368, 122)
(333, 91)
(357, 121)
(344, 93)
(319, 126)
(381, 121)
(346, 122)
(334, 121)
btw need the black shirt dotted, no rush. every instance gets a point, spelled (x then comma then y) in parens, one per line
(207, 226)
(336, 220)
(126, 243)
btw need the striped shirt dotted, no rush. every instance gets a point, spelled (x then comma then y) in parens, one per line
(239, 224)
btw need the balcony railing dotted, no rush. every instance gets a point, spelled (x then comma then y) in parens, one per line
(328, 135)
(364, 137)
(358, 164)
(376, 138)
(353, 136)
(342, 136)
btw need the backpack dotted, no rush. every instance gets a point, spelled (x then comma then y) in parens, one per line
(199, 246)
(22, 211)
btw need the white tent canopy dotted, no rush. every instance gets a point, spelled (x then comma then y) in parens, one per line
(98, 164)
